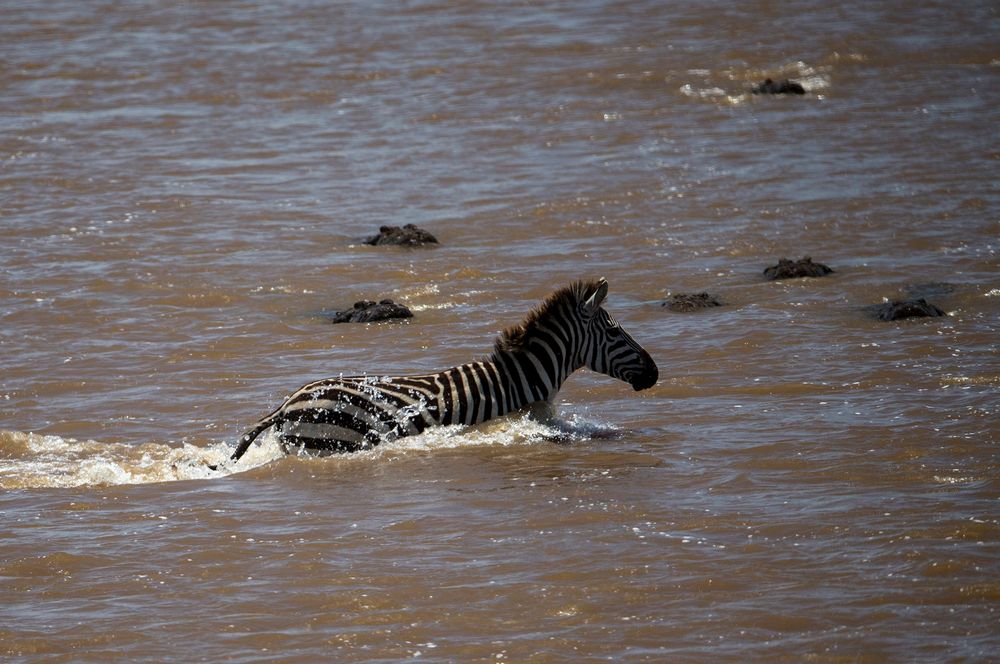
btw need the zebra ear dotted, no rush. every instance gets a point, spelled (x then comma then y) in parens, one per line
(596, 297)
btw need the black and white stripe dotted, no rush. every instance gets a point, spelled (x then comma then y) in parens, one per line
(529, 363)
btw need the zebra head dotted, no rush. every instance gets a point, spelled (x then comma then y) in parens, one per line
(608, 348)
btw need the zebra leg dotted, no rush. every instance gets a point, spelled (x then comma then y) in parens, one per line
(294, 440)
(294, 444)
(542, 412)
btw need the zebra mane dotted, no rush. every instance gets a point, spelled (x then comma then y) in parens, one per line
(516, 337)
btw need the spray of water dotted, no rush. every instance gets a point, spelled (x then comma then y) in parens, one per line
(31, 461)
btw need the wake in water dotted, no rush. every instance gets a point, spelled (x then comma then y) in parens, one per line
(732, 86)
(30, 460)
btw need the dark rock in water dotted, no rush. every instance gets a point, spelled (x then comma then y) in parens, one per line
(367, 311)
(787, 269)
(782, 87)
(897, 309)
(691, 301)
(409, 235)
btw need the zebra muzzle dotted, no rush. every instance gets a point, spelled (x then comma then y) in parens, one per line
(645, 379)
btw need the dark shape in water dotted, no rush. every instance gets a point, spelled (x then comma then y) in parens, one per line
(897, 309)
(691, 301)
(367, 311)
(788, 269)
(409, 235)
(782, 87)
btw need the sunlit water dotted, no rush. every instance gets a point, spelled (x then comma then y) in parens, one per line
(184, 189)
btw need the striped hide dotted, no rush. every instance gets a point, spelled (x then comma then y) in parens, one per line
(529, 363)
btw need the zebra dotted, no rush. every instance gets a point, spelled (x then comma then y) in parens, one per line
(529, 364)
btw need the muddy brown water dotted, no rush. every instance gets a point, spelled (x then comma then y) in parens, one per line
(184, 186)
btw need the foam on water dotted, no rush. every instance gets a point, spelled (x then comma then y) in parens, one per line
(36, 461)
(732, 85)
(527, 428)
(520, 429)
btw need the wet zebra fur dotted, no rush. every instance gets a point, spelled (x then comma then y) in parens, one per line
(529, 363)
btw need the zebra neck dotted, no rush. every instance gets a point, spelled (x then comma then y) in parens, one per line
(507, 382)
(526, 376)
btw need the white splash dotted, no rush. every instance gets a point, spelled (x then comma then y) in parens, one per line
(34, 461)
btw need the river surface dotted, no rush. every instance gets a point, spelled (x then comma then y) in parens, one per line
(185, 189)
